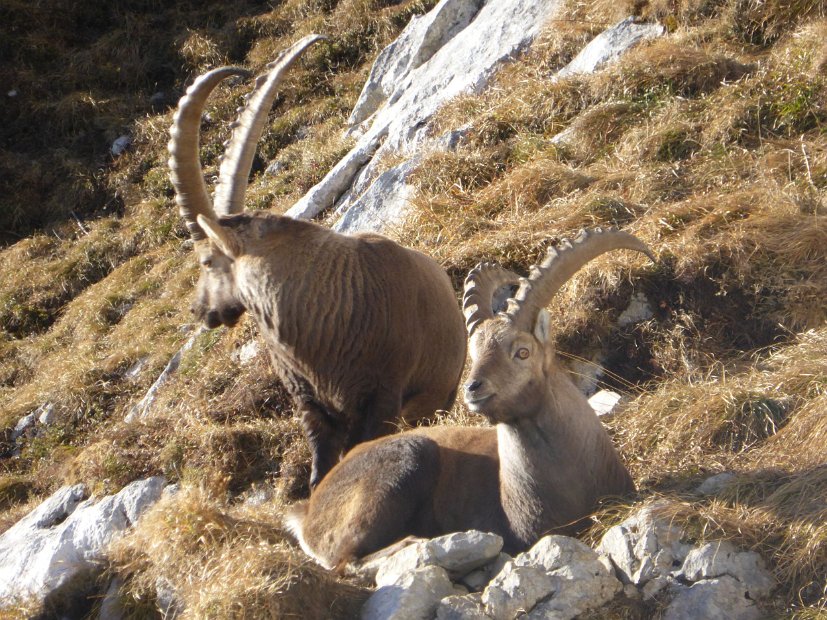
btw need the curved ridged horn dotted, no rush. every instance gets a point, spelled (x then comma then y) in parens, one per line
(184, 160)
(486, 288)
(560, 264)
(241, 147)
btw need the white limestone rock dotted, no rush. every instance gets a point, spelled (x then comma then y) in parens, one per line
(458, 553)
(610, 45)
(142, 408)
(644, 546)
(23, 424)
(46, 413)
(383, 205)
(586, 580)
(466, 59)
(462, 552)
(466, 607)
(715, 484)
(67, 535)
(416, 44)
(517, 589)
(247, 352)
(477, 579)
(414, 596)
(337, 181)
(723, 598)
(604, 401)
(639, 309)
(720, 558)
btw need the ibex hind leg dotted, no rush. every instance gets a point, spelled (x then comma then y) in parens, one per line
(423, 405)
(376, 496)
(324, 438)
(378, 416)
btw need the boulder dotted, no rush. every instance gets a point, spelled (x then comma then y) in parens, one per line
(421, 38)
(586, 580)
(140, 410)
(720, 558)
(415, 595)
(644, 546)
(66, 537)
(610, 45)
(383, 204)
(458, 553)
(723, 598)
(467, 42)
(465, 607)
(517, 589)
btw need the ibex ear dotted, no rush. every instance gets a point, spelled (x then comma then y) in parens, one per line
(541, 326)
(225, 239)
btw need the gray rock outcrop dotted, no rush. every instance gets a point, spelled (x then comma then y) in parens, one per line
(66, 537)
(610, 45)
(454, 49)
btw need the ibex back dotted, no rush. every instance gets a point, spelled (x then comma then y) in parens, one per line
(361, 331)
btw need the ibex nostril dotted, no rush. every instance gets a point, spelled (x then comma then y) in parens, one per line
(473, 386)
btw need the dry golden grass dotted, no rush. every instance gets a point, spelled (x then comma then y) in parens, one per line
(198, 546)
(709, 144)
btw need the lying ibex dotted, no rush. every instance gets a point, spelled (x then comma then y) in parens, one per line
(361, 330)
(542, 469)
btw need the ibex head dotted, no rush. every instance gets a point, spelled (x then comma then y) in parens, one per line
(511, 350)
(216, 244)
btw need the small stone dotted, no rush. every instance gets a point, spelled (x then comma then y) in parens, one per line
(458, 553)
(466, 607)
(22, 425)
(462, 552)
(46, 413)
(476, 580)
(585, 581)
(407, 559)
(134, 371)
(653, 587)
(637, 311)
(247, 353)
(604, 401)
(274, 168)
(120, 145)
(715, 484)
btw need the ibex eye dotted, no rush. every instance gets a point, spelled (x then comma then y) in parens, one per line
(206, 263)
(522, 353)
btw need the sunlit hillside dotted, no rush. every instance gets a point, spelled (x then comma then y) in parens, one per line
(710, 144)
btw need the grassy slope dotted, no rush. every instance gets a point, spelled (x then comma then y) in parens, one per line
(711, 145)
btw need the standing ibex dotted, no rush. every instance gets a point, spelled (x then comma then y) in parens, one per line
(361, 330)
(542, 469)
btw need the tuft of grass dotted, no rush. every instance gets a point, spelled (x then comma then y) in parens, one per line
(227, 562)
